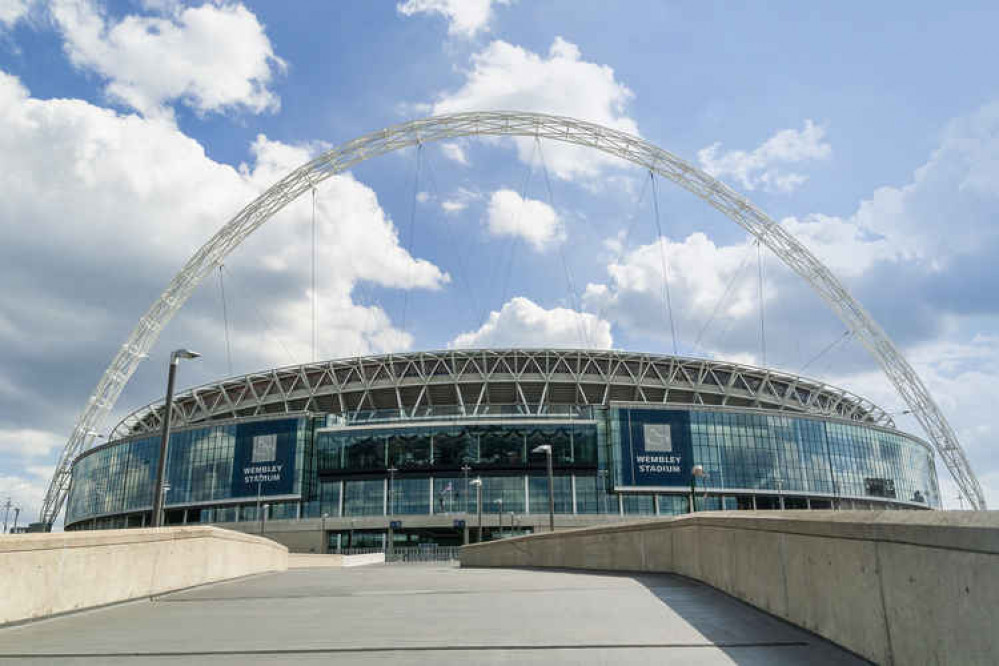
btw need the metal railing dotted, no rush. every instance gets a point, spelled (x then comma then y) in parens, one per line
(357, 551)
(417, 554)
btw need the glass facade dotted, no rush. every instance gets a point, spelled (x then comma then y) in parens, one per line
(779, 454)
(369, 468)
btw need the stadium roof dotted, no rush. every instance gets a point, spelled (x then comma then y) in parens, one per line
(473, 382)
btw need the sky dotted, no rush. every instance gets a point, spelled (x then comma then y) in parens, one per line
(131, 131)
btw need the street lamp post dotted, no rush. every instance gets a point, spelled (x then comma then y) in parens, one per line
(477, 482)
(175, 357)
(465, 469)
(695, 472)
(259, 487)
(323, 544)
(602, 475)
(263, 515)
(499, 515)
(547, 450)
(17, 512)
(391, 494)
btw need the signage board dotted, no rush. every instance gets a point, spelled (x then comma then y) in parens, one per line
(264, 458)
(654, 447)
(395, 524)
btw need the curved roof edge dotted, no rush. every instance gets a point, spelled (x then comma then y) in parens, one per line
(473, 379)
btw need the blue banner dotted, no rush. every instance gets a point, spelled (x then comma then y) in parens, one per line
(264, 459)
(655, 447)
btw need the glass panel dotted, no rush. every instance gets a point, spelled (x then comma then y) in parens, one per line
(410, 495)
(501, 447)
(409, 450)
(453, 495)
(364, 498)
(673, 505)
(510, 489)
(539, 494)
(638, 504)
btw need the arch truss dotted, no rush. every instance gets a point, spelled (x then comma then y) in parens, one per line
(511, 123)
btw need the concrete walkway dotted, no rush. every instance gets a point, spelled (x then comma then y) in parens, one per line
(402, 614)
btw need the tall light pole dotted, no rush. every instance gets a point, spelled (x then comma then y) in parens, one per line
(175, 357)
(499, 515)
(465, 469)
(17, 512)
(325, 541)
(391, 505)
(602, 475)
(6, 512)
(477, 482)
(695, 472)
(547, 450)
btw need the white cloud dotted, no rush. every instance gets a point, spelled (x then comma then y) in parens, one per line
(459, 200)
(12, 11)
(26, 494)
(455, 152)
(213, 58)
(134, 196)
(946, 210)
(759, 168)
(534, 221)
(508, 77)
(465, 18)
(28, 443)
(699, 272)
(521, 322)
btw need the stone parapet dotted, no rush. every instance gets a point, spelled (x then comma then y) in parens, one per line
(46, 574)
(896, 587)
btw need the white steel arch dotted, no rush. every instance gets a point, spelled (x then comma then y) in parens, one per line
(512, 123)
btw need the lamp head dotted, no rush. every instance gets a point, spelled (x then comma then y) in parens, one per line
(544, 448)
(477, 481)
(698, 470)
(183, 353)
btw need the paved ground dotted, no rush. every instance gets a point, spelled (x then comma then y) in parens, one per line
(402, 614)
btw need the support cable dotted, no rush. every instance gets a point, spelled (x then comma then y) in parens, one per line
(724, 297)
(412, 230)
(474, 302)
(315, 297)
(661, 240)
(264, 321)
(825, 350)
(512, 245)
(577, 305)
(830, 359)
(763, 328)
(225, 322)
(623, 249)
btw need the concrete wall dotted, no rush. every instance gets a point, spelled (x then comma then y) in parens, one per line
(42, 574)
(311, 561)
(897, 587)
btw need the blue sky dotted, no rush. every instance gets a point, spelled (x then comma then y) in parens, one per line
(131, 131)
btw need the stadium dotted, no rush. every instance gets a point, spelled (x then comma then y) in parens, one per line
(413, 448)
(395, 442)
